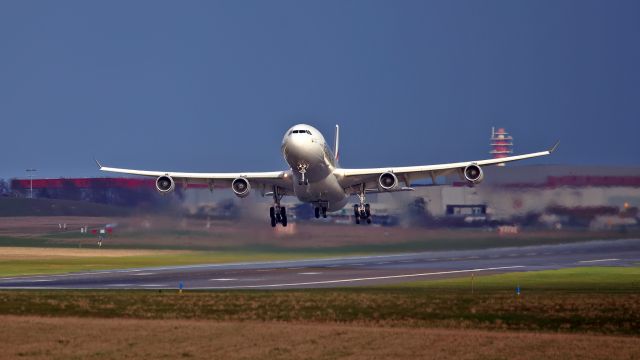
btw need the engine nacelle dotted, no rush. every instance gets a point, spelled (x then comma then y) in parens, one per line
(241, 187)
(388, 181)
(165, 184)
(473, 174)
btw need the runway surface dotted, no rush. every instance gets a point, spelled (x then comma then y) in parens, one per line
(345, 271)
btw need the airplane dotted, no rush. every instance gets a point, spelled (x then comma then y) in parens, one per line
(315, 176)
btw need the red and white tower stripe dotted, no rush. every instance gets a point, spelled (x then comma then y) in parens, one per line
(501, 144)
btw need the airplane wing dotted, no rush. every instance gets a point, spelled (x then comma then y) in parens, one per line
(264, 181)
(354, 179)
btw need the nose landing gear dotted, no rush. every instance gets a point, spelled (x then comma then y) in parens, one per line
(302, 169)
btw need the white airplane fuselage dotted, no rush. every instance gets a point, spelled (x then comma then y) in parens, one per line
(306, 151)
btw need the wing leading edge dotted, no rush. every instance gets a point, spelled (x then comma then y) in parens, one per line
(282, 179)
(407, 174)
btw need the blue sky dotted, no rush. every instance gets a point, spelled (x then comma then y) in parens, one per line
(213, 85)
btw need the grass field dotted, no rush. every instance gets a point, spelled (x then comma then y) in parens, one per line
(584, 279)
(595, 300)
(31, 262)
(580, 313)
(90, 338)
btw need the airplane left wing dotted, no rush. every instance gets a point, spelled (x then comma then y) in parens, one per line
(354, 179)
(259, 180)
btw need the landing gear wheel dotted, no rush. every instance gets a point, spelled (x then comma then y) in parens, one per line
(356, 213)
(317, 212)
(283, 216)
(324, 212)
(369, 220)
(367, 210)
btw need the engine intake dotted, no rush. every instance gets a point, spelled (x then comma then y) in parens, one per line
(388, 181)
(241, 187)
(165, 184)
(473, 174)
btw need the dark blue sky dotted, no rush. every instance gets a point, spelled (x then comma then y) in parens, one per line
(213, 85)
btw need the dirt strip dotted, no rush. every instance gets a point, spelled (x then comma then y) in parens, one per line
(8, 253)
(64, 338)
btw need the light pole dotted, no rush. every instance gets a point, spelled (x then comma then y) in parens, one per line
(30, 172)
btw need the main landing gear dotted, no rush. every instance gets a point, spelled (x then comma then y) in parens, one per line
(362, 211)
(277, 213)
(321, 210)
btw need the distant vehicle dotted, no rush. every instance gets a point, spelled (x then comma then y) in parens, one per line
(315, 176)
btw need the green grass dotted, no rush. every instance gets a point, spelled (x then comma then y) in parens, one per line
(550, 302)
(610, 279)
(58, 265)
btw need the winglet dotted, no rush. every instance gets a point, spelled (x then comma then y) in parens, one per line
(554, 147)
(98, 163)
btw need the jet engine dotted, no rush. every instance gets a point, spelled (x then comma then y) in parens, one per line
(388, 181)
(473, 174)
(165, 184)
(241, 187)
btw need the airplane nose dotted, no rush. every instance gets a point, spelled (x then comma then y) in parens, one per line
(296, 146)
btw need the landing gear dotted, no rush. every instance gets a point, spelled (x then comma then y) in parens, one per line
(362, 211)
(277, 213)
(320, 210)
(302, 169)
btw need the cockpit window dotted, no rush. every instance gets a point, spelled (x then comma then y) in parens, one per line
(299, 132)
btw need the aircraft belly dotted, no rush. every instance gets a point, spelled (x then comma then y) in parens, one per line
(327, 189)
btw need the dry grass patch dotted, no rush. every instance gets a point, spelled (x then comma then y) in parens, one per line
(66, 338)
(25, 253)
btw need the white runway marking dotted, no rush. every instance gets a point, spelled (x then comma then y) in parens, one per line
(154, 285)
(120, 285)
(598, 260)
(223, 279)
(310, 273)
(368, 278)
(141, 274)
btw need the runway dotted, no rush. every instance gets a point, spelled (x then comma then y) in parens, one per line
(344, 271)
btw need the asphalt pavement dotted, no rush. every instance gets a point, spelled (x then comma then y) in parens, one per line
(345, 271)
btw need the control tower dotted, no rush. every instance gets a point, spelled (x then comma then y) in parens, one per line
(501, 144)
